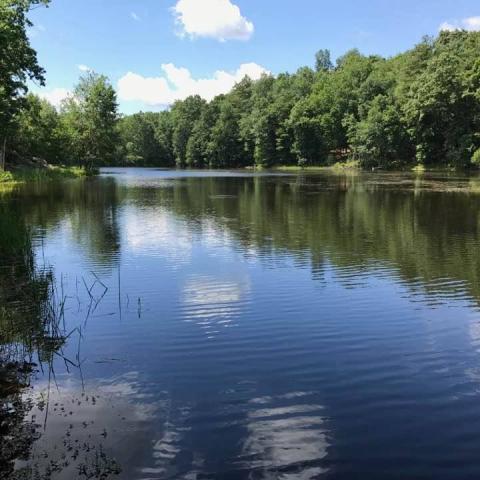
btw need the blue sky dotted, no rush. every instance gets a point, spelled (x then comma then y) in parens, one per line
(155, 51)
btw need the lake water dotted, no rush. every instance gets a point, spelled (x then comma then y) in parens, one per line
(231, 325)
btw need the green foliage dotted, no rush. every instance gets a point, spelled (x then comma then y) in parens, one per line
(18, 63)
(199, 145)
(18, 60)
(137, 138)
(6, 177)
(476, 158)
(323, 62)
(442, 108)
(42, 174)
(380, 139)
(420, 107)
(89, 120)
(185, 114)
(37, 131)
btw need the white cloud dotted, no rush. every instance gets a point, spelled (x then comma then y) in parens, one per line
(471, 24)
(219, 19)
(135, 16)
(55, 96)
(178, 83)
(445, 26)
(84, 68)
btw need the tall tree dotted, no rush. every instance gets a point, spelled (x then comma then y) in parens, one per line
(226, 144)
(164, 127)
(37, 131)
(90, 117)
(441, 107)
(185, 114)
(323, 61)
(137, 135)
(200, 149)
(18, 63)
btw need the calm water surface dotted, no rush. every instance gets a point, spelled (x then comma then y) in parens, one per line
(226, 325)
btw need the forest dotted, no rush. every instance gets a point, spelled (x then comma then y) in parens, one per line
(420, 107)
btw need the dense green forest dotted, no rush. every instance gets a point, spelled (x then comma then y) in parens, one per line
(419, 107)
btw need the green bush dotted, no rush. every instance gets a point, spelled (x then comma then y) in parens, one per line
(6, 177)
(476, 158)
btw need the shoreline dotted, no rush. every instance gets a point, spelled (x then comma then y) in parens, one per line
(52, 172)
(24, 174)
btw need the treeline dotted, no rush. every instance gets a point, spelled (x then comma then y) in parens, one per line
(419, 107)
(82, 132)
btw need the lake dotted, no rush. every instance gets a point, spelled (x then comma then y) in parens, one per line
(160, 324)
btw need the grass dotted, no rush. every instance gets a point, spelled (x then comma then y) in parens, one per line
(348, 165)
(339, 166)
(6, 177)
(41, 174)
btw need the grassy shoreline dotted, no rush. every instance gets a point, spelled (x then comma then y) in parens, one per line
(350, 165)
(24, 175)
(354, 166)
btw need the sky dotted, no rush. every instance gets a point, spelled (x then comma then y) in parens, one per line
(157, 51)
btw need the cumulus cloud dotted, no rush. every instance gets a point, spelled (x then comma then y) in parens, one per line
(84, 68)
(135, 16)
(471, 24)
(177, 83)
(218, 19)
(55, 96)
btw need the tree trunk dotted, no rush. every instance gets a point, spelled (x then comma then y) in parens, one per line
(3, 149)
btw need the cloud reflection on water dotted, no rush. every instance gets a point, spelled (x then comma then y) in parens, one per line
(214, 302)
(286, 440)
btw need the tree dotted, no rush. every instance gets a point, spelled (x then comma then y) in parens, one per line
(381, 138)
(137, 135)
(89, 117)
(37, 131)
(18, 63)
(199, 145)
(441, 106)
(261, 122)
(164, 127)
(323, 62)
(226, 146)
(308, 139)
(423, 104)
(185, 115)
(241, 97)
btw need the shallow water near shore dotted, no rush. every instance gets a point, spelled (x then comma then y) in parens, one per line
(239, 325)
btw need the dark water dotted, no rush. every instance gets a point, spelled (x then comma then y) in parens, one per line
(235, 326)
